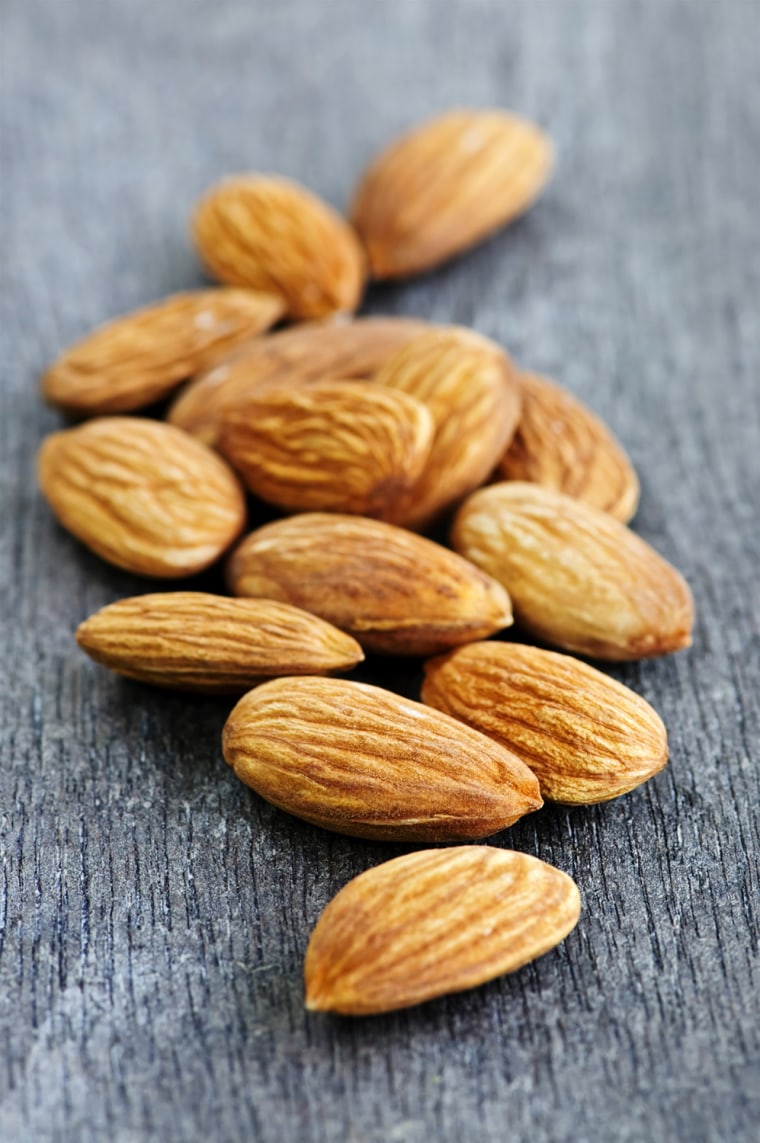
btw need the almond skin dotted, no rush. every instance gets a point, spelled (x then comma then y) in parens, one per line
(561, 444)
(431, 923)
(141, 357)
(394, 591)
(193, 641)
(446, 185)
(271, 234)
(586, 737)
(335, 446)
(142, 495)
(577, 577)
(363, 761)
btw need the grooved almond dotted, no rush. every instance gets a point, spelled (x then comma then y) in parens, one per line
(194, 641)
(578, 578)
(586, 737)
(143, 495)
(394, 591)
(446, 185)
(363, 761)
(432, 923)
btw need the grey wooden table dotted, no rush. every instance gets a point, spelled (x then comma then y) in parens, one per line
(153, 912)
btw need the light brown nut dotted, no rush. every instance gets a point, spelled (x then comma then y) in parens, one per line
(586, 737)
(447, 184)
(363, 761)
(578, 578)
(143, 495)
(141, 357)
(394, 591)
(271, 234)
(470, 387)
(435, 922)
(193, 641)
(561, 444)
(335, 446)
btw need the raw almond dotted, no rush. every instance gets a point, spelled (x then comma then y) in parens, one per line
(586, 737)
(446, 185)
(193, 641)
(561, 444)
(142, 495)
(394, 591)
(141, 357)
(578, 578)
(363, 761)
(337, 446)
(432, 923)
(271, 234)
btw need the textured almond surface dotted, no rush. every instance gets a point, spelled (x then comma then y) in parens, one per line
(470, 387)
(336, 446)
(190, 640)
(446, 185)
(271, 234)
(577, 577)
(586, 737)
(561, 444)
(143, 495)
(141, 357)
(363, 761)
(432, 923)
(394, 591)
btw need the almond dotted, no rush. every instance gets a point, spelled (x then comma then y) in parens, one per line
(446, 185)
(290, 357)
(362, 761)
(432, 923)
(586, 737)
(392, 590)
(561, 444)
(577, 577)
(193, 641)
(337, 446)
(141, 357)
(271, 234)
(144, 496)
(469, 385)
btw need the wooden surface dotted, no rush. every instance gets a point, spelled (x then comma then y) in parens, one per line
(153, 912)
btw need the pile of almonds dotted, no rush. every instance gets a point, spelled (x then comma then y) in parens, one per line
(364, 434)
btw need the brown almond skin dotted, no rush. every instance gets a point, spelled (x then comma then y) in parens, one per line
(334, 446)
(142, 357)
(432, 923)
(268, 233)
(446, 185)
(395, 592)
(362, 761)
(194, 641)
(142, 495)
(586, 737)
(563, 445)
(577, 577)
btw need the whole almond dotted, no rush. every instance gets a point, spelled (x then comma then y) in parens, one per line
(363, 761)
(143, 495)
(394, 591)
(193, 641)
(561, 444)
(586, 737)
(469, 385)
(446, 185)
(141, 357)
(578, 578)
(338, 446)
(431, 923)
(271, 234)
